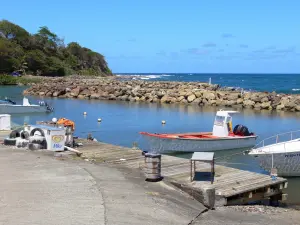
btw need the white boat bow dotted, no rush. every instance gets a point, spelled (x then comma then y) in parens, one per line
(281, 151)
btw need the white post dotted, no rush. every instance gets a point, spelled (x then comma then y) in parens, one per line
(209, 81)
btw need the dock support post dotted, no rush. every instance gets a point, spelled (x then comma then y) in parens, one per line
(209, 196)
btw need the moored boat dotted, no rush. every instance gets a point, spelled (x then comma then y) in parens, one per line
(281, 152)
(223, 137)
(9, 107)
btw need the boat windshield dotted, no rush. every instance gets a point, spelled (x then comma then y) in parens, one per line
(219, 120)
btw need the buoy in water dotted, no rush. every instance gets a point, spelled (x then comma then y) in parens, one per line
(99, 119)
(84, 113)
(163, 122)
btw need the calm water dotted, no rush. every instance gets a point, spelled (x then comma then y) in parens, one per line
(121, 122)
(281, 83)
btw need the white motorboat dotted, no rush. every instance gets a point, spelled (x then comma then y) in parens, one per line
(221, 138)
(9, 107)
(281, 152)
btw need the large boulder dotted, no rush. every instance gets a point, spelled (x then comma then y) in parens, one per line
(81, 97)
(285, 100)
(184, 101)
(264, 99)
(198, 94)
(49, 94)
(247, 95)
(182, 93)
(209, 95)
(166, 99)
(275, 101)
(290, 105)
(280, 107)
(191, 98)
(257, 105)
(58, 93)
(75, 92)
(248, 103)
(231, 102)
(220, 95)
(255, 98)
(233, 96)
(180, 98)
(212, 102)
(266, 105)
(95, 96)
(124, 98)
(219, 102)
(239, 101)
(160, 94)
(297, 108)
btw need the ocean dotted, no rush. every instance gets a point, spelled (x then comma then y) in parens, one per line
(280, 83)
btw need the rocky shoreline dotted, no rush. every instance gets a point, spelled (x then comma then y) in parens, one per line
(195, 93)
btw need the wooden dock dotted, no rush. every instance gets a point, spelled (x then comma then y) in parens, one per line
(232, 186)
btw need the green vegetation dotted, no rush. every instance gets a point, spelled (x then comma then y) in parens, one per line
(11, 80)
(44, 53)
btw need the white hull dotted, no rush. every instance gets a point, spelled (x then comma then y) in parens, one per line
(165, 145)
(10, 109)
(287, 164)
(286, 157)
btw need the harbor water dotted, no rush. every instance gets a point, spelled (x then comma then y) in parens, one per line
(121, 123)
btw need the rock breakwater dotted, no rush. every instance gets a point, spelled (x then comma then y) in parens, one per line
(162, 92)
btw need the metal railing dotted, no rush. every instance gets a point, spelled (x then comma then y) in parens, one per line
(278, 138)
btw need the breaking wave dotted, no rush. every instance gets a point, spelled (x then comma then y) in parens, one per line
(144, 77)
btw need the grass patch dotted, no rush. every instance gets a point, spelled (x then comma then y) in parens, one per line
(11, 80)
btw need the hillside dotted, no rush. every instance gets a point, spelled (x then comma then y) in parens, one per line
(44, 53)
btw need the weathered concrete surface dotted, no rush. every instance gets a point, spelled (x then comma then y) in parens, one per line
(130, 200)
(36, 189)
(227, 216)
(39, 189)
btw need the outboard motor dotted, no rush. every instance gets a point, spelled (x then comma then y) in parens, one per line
(241, 130)
(49, 108)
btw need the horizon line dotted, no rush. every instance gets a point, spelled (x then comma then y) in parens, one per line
(138, 73)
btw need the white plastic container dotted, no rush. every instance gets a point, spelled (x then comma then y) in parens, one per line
(5, 123)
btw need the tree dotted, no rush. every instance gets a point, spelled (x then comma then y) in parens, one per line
(11, 56)
(14, 32)
(44, 53)
(36, 60)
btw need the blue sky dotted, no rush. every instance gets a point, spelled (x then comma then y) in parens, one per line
(174, 36)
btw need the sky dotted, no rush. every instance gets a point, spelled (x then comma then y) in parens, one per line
(174, 36)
